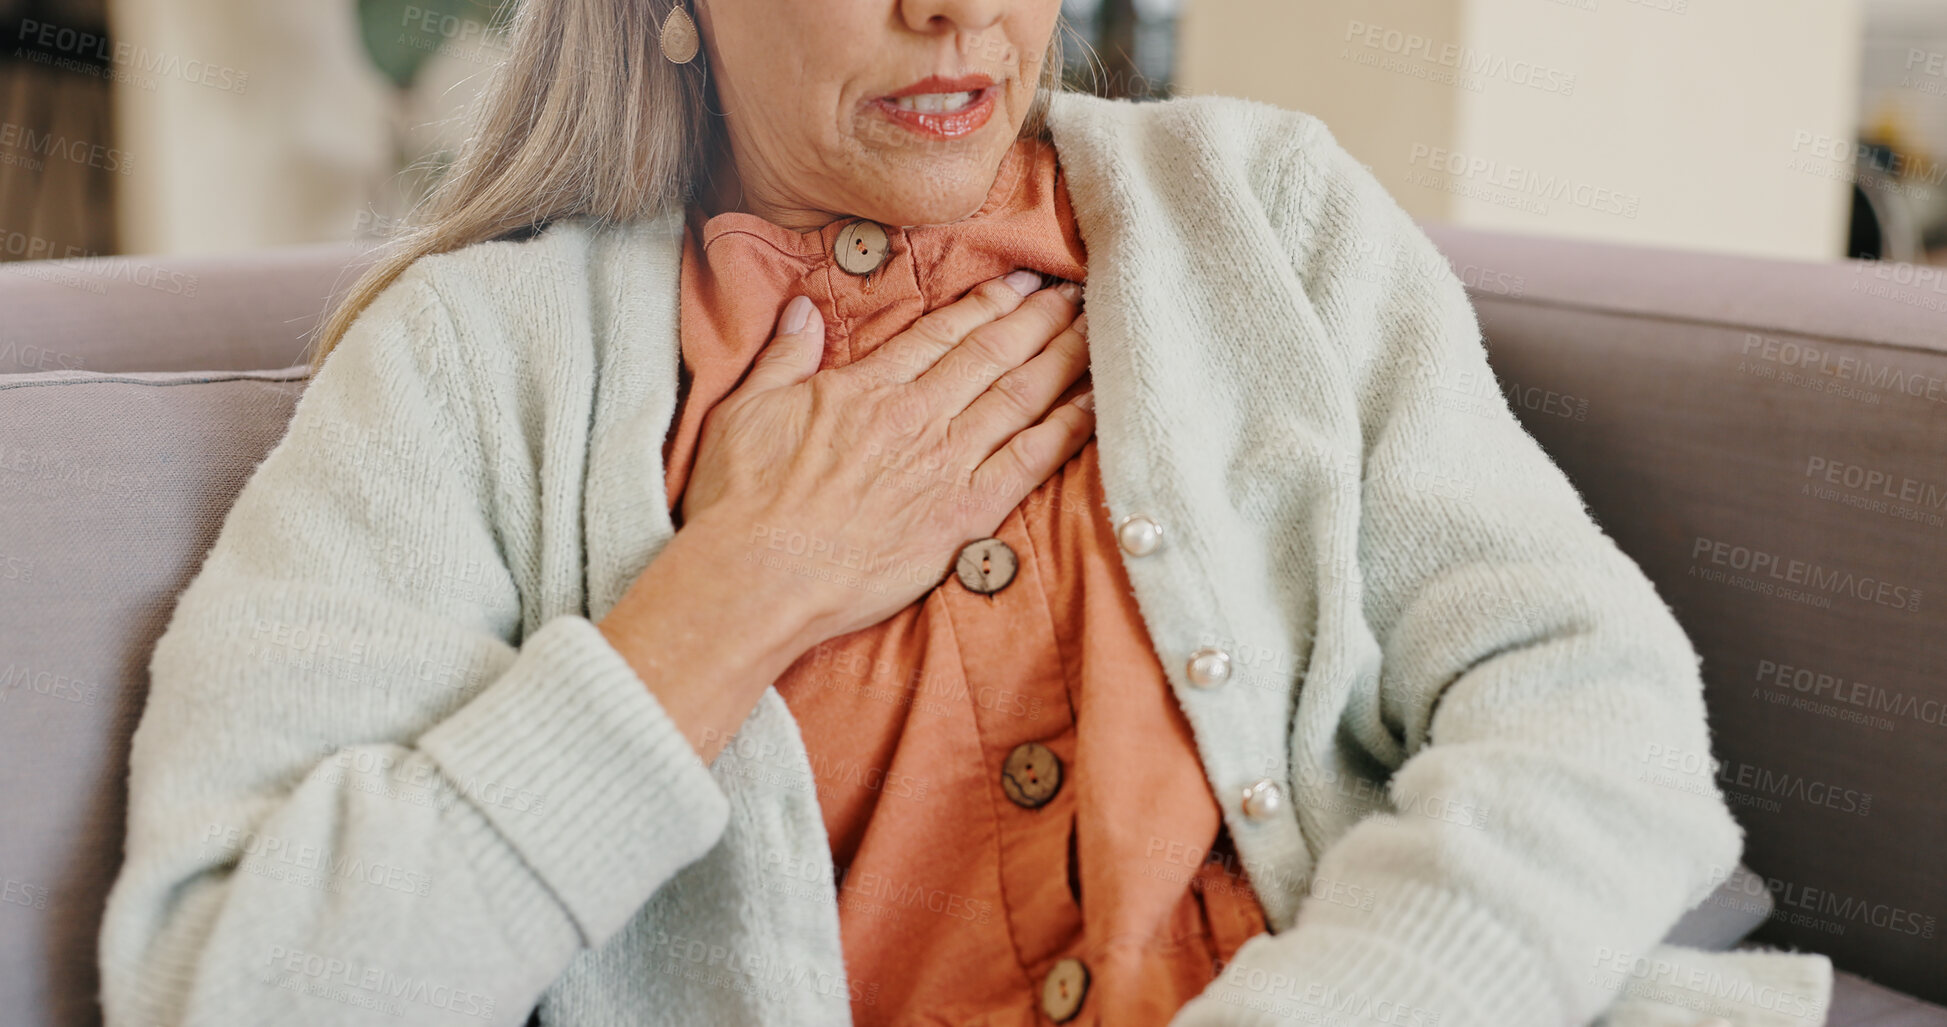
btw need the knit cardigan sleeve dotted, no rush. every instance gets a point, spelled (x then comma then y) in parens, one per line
(349, 791)
(1529, 669)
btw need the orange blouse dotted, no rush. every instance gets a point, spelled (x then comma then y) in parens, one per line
(974, 867)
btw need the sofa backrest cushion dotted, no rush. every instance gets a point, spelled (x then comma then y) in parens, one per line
(197, 313)
(1768, 440)
(112, 489)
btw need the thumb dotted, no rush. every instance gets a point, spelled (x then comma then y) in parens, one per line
(794, 353)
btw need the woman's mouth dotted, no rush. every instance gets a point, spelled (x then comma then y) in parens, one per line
(945, 115)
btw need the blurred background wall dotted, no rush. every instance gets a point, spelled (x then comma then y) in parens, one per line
(332, 106)
(1673, 122)
(283, 144)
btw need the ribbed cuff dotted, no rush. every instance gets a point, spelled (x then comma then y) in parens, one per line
(1429, 957)
(579, 770)
(1420, 959)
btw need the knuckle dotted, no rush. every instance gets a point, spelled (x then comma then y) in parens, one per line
(1015, 390)
(987, 304)
(863, 376)
(995, 299)
(1025, 453)
(986, 357)
(1056, 318)
(885, 370)
(936, 328)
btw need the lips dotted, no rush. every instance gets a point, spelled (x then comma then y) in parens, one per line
(940, 84)
(940, 107)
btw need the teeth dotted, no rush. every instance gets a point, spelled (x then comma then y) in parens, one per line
(936, 103)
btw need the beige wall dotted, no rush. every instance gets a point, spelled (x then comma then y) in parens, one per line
(1688, 123)
(263, 122)
(270, 129)
(1293, 53)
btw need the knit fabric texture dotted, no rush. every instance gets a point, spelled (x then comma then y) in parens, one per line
(390, 769)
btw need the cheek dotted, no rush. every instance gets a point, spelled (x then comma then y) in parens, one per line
(1030, 35)
(765, 60)
(769, 105)
(797, 91)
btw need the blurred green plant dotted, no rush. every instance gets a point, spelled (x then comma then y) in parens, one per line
(400, 35)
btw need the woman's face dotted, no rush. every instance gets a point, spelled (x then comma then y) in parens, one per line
(807, 89)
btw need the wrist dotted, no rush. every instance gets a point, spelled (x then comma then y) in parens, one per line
(727, 562)
(706, 635)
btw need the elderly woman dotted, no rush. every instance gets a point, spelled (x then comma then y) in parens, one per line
(719, 576)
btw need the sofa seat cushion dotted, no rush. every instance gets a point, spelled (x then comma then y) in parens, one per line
(1858, 1002)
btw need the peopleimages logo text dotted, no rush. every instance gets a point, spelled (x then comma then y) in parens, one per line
(1526, 181)
(1758, 563)
(1466, 60)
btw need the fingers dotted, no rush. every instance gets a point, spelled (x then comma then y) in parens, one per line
(1024, 395)
(794, 353)
(1035, 454)
(969, 370)
(912, 352)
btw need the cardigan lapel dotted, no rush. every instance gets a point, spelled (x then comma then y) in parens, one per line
(634, 277)
(1185, 426)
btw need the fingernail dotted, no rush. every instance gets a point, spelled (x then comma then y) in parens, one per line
(1023, 281)
(1086, 400)
(796, 313)
(1069, 290)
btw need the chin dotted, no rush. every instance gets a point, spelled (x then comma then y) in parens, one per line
(940, 190)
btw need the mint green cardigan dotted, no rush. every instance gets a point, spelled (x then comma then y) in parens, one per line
(389, 771)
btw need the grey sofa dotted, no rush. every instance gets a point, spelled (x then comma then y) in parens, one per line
(1768, 440)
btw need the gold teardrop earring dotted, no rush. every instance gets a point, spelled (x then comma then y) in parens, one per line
(680, 40)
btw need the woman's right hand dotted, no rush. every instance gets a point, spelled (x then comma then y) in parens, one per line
(856, 487)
